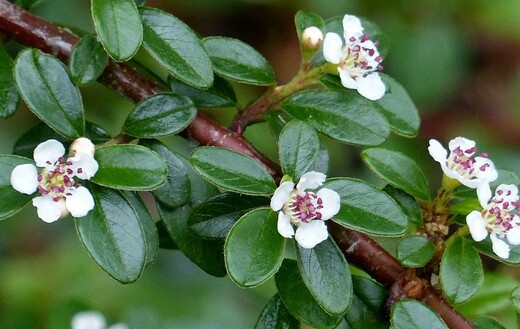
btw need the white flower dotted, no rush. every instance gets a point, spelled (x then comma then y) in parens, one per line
(93, 320)
(60, 193)
(462, 164)
(358, 59)
(305, 210)
(499, 219)
(312, 37)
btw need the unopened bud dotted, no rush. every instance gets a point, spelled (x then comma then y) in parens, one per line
(312, 38)
(82, 145)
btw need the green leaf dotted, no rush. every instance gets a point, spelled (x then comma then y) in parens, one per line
(515, 298)
(487, 322)
(11, 201)
(327, 276)
(176, 47)
(276, 316)
(214, 218)
(207, 254)
(49, 93)
(367, 305)
(298, 146)
(304, 19)
(220, 94)
(88, 60)
(367, 209)
(118, 26)
(415, 251)
(399, 109)
(411, 314)
(160, 115)
(407, 203)
(238, 61)
(342, 115)
(9, 97)
(113, 236)
(232, 171)
(399, 170)
(461, 272)
(129, 167)
(485, 247)
(254, 250)
(298, 300)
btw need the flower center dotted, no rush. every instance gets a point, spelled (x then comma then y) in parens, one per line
(463, 162)
(361, 57)
(501, 213)
(304, 207)
(57, 181)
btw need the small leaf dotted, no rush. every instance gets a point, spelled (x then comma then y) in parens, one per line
(49, 93)
(276, 316)
(129, 167)
(487, 322)
(88, 60)
(399, 170)
(365, 208)
(238, 61)
(407, 203)
(415, 251)
(485, 247)
(9, 97)
(232, 171)
(118, 26)
(220, 94)
(342, 115)
(367, 305)
(298, 146)
(461, 272)
(176, 47)
(11, 201)
(303, 20)
(113, 236)
(515, 298)
(160, 115)
(327, 276)
(254, 250)
(411, 314)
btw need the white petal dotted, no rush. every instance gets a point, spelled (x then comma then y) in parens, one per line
(437, 151)
(48, 152)
(282, 195)
(48, 210)
(310, 180)
(310, 234)
(509, 192)
(86, 162)
(88, 320)
(80, 202)
(499, 246)
(284, 225)
(331, 203)
(82, 145)
(513, 236)
(352, 27)
(332, 48)
(462, 143)
(346, 80)
(371, 86)
(477, 225)
(24, 178)
(483, 194)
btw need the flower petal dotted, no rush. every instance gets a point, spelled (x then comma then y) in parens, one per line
(513, 236)
(310, 234)
(352, 27)
(371, 86)
(284, 225)
(331, 203)
(437, 151)
(499, 246)
(48, 152)
(346, 80)
(332, 48)
(464, 144)
(483, 194)
(24, 178)
(88, 320)
(82, 145)
(477, 225)
(310, 180)
(80, 202)
(485, 169)
(49, 210)
(281, 195)
(84, 165)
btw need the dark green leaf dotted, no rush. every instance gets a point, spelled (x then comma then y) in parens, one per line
(515, 298)
(411, 314)
(399, 170)
(487, 322)
(88, 60)
(129, 167)
(485, 247)
(298, 147)
(200, 189)
(48, 91)
(165, 240)
(220, 94)
(407, 203)
(415, 251)
(276, 121)
(176, 47)
(118, 26)
(113, 236)
(303, 20)
(327, 276)
(321, 163)
(160, 115)
(276, 316)
(9, 97)
(365, 208)
(367, 305)
(342, 115)
(232, 171)
(238, 61)
(11, 201)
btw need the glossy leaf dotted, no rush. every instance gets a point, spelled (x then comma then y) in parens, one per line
(88, 60)
(399, 170)
(238, 61)
(129, 167)
(118, 26)
(303, 20)
(113, 236)
(365, 208)
(487, 322)
(232, 171)
(327, 276)
(160, 115)
(49, 93)
(176, 47)
(411, 314)
(9, 97)
(407, 203)
(276, 316)
(298, 147)
(461, 272)
(254, 250)
(342, 115)
(485, 247)
(11, 200)
(220, 94)
(415, 251)
(367, 305)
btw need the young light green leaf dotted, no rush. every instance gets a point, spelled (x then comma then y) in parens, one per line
(11, 201)
(407, 203)
(487, 322)
(367, 305)
(411, 314)
(254, 250)
(118, 26)
(399, 170)
(238, 61)
(298, 147)
(415, 251)
(176, 47)
(342, 115)
(9, 97)
(160, 115)
(49, 93)
(88, 60)
(232, 171)
(220, 94)
(129, 167)
(327, 276)
(276, 316)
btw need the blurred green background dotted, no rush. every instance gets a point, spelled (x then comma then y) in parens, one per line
(458, 59)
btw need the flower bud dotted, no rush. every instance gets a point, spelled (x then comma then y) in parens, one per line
(312, 38)
(82, 145)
